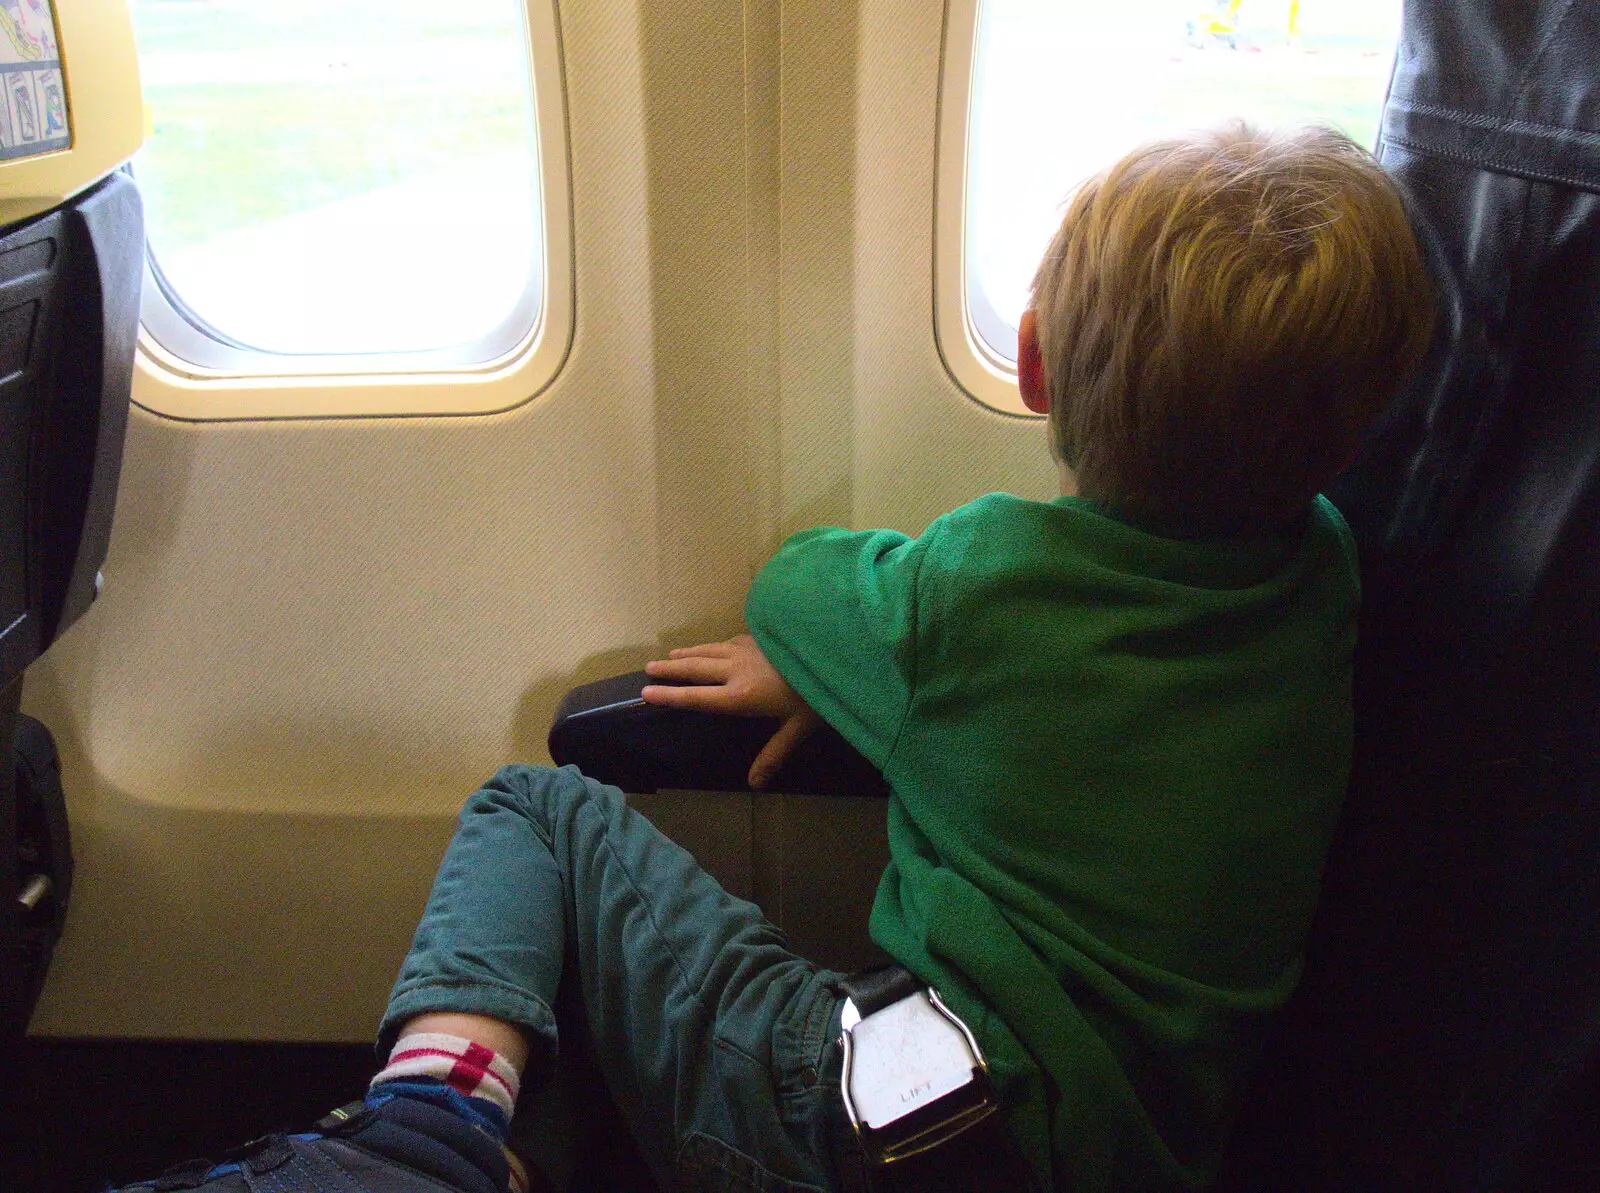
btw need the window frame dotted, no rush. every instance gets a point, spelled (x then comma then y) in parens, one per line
(982, 373)
(231, 382)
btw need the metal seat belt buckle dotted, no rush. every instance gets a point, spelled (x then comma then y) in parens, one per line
(914, 1077)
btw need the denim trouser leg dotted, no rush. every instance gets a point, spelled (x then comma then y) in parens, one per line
(715, 1040)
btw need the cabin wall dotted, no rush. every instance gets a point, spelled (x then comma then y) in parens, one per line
(318, 636)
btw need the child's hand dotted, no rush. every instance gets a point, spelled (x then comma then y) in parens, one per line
(735, 677)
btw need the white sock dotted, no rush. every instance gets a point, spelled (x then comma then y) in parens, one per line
(469, 1068)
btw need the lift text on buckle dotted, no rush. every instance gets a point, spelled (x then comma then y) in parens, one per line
(914, 1077)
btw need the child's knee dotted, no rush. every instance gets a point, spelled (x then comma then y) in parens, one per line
(540, 794)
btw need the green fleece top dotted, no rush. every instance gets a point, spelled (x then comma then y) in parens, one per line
(1115, 761)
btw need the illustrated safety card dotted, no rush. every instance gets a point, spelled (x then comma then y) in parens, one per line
(34, 117)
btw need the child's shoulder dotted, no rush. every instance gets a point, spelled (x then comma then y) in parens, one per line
(1000, 510)
(1001, 537)
(1006, 539)
(1004, 521)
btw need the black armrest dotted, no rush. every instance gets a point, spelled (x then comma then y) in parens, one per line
(609, 732)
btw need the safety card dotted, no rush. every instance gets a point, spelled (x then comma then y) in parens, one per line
(34, 117)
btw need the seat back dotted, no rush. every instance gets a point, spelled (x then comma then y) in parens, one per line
(69, 312)
(1446, 1033)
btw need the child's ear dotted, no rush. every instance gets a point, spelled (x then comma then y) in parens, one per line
(1030, 365)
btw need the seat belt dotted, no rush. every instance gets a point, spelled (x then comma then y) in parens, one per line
(916, 1089)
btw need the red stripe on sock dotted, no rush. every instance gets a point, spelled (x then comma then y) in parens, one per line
(474, 1064)
(464, 1075)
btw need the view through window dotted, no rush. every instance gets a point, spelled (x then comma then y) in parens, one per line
(342, 176)
(1062, 88)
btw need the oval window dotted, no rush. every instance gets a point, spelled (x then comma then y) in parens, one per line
(1059, 89)
(330, 178)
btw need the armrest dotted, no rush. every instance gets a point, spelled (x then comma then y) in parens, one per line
(609, 732)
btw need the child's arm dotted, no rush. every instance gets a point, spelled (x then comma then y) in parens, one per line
(834, 617)
(735, 677)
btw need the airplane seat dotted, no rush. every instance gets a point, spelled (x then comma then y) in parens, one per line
(71, 271)
(69, 309)
(1446, 1034)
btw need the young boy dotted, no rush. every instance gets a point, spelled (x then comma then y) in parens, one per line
(1116, 729)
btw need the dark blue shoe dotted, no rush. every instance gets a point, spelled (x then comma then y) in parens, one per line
(401, 1145)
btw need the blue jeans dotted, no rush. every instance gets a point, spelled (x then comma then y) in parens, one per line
(718, 1044)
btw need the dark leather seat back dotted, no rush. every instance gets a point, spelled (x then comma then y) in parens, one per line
(1446, 1034)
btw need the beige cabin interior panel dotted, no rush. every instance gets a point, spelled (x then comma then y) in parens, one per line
(318, 636)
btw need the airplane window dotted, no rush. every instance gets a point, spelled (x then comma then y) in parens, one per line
(328, 179)
(1061, 88)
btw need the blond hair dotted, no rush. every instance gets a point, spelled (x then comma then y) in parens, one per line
(1220, 317)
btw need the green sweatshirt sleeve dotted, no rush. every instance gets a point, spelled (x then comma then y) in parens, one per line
(835, 611)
